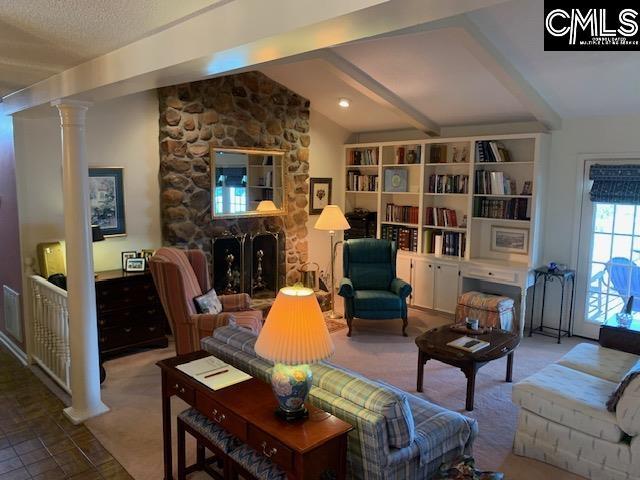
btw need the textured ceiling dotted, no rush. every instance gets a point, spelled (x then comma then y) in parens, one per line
(41, 37)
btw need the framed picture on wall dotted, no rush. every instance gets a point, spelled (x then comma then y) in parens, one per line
(320, 194)
(509, 240)
(106, 200)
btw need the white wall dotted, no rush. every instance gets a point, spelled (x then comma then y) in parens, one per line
(326, 159)
(119, 133)
(593, 135)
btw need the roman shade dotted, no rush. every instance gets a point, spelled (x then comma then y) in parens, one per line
(615, 184)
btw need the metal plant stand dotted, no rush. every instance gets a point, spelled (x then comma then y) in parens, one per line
(563, 277)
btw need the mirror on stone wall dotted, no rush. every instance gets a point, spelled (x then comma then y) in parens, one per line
(246, 182)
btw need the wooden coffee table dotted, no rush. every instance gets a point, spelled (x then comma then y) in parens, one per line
(433, 345)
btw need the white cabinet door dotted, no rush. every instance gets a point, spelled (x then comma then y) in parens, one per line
(403, 271)
(446, 287)
(423, 279)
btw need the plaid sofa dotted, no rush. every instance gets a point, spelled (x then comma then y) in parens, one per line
(396, 435)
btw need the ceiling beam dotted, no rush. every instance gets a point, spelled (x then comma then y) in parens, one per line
(193, 50)
(374, 90)
(497, 64)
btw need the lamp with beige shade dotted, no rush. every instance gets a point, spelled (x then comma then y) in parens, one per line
(293, 336)
(332, 219)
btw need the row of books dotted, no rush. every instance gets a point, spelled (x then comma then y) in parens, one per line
(401, 213)
(514, 209)
(405, 238)
(448, 243)
(448, 184)
(366, 156)
(361, 183)
(491, 151)
(494, 183)
(440, 217)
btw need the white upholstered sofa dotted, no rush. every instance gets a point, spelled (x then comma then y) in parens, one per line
(564, 420)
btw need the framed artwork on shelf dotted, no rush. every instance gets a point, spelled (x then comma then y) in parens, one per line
(395, 180)
(509, 240)
(137, 264)
(106, 200)
(320, 192)
(127, 255)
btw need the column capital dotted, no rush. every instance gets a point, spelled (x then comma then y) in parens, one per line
(72, 112)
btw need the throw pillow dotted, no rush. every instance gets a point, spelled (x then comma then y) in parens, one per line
(208, 303)
(615, 397)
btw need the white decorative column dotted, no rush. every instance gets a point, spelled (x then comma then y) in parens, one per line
(83, 327)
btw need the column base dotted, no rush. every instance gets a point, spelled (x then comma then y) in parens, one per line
(77, 417)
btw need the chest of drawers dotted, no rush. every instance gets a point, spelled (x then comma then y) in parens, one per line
(129, 313)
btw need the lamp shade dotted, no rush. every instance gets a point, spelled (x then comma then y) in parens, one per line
(96, 233)
(295, 331)
(332, 218)
(266, 206)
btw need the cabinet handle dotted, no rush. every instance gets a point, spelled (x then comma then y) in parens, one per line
(151, 311)
(126, 289)
(101, 322)
(152, 328)
(268, 453)
(490, 273)
(218, 418)
(429, 266)
(127, 329)
(438, 267)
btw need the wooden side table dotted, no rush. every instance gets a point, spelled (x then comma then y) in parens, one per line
(314, 448)
(619, 338)
(562, 276)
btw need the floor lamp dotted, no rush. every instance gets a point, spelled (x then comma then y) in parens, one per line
(332, 219)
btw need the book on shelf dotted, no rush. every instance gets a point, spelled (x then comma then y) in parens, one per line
(438, 153)
(468, 344)
(494, 183)
(396, 180)
(452, 244)
(364, 156)
(401, 213)
(406, 238)
(512, 209)
(490, 151)
(440, 217)
(361, 183)
(448, 184)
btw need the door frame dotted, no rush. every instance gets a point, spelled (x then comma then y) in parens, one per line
(579, 248)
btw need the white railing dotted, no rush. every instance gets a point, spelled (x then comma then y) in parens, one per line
(50, 330)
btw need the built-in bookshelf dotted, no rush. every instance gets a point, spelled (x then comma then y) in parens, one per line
(468, 196)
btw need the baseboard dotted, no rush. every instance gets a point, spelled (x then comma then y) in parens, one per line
(13, 348)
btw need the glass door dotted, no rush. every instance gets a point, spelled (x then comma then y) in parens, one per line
(608, 260)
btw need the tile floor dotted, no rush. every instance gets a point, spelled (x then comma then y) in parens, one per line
(36, 439)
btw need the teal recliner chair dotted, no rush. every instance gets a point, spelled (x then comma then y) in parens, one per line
(370, 288)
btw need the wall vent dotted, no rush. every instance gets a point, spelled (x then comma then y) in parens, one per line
(12, 313)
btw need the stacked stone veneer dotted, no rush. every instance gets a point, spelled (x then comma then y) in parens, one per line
(245, 110)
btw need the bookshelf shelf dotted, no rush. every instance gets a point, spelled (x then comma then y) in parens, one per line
(373, 167)
(448, 229)
(482, 164)
(447, 164)
(361, 191)
(395, 165)
(401, 193)
(400, 224)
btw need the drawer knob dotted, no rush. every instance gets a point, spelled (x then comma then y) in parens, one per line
(101, 322)
(270, 452)
(490, 273)
(127, 329)
(178, 388)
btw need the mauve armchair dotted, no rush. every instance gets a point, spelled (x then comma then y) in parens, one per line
(370, 288)
(182, 275)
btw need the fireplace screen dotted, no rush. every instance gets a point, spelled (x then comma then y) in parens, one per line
(249, 264)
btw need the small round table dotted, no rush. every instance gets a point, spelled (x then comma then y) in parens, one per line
(433, 345)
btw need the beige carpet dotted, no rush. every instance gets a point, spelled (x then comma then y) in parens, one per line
(132, 430)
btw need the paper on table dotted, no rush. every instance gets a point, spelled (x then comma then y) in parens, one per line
(202, 367)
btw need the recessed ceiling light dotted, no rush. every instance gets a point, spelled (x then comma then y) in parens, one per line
(344, 102)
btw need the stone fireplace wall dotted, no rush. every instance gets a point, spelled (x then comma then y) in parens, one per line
(244, 110)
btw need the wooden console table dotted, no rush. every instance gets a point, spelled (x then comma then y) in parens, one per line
(314, 448)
